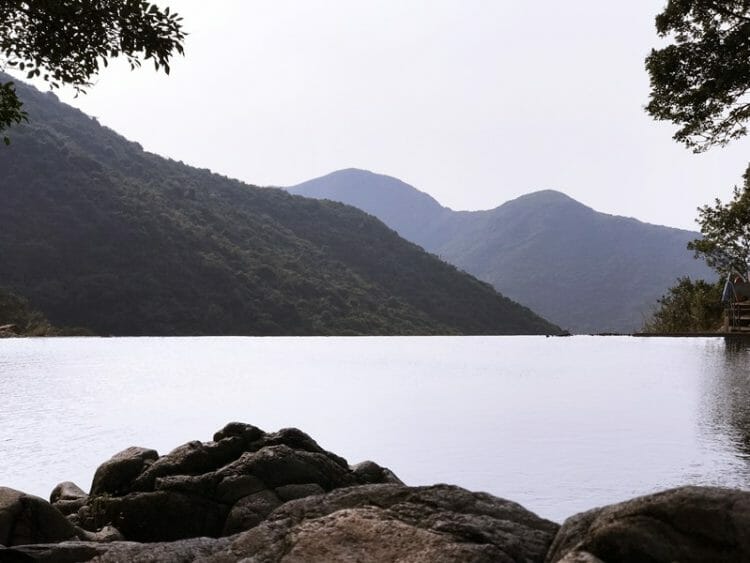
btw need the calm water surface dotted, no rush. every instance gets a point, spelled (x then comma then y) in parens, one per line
(557, 424)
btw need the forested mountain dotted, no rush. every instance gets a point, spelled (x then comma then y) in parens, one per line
(584, 270)
(98, 233)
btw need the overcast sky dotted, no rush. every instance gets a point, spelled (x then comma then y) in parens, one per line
(472, 101)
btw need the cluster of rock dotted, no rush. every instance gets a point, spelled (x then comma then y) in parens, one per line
(271, 497)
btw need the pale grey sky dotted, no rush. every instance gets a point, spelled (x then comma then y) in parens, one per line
(472, 101)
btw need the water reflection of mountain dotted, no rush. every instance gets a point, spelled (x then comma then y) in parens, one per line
(727, 398)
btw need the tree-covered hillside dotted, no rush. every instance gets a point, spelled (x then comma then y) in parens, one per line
(584, 270)
(18, 318)
(100, 234)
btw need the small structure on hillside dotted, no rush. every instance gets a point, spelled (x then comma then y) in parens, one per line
(736, 298)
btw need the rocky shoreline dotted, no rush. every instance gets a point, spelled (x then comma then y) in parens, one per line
(259, 497)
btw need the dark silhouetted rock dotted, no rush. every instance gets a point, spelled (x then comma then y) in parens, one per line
(281, 465)
(298, 440)
(116, 475)
(26, 519)
(231, 488)
(66, 491)
(155, 516)
(250, 511)
(155, 499)
(369, 472)
(292, 492)
(193, 458)
(203, 485)
(247, 432)
(68, 498)
(688, 524)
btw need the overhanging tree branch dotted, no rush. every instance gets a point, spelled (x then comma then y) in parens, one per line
(68, 41)
(701, 81)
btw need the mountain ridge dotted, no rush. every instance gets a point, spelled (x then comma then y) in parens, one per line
(101, 234)
(540, 247)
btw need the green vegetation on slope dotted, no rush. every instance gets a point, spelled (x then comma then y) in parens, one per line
(100, 234)
(19, 318)
(688, 306)
(695, 306)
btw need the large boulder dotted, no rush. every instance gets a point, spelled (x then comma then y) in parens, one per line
(229, 444)
(68, 498)
(193, 458)
(247, 432)
(368, 524)
(26, 519)
(298, 440)
(244, 473)
(687, 524)
(116, 475)
(66, 491)
(374, 523)
(281, 465)
(369, 472)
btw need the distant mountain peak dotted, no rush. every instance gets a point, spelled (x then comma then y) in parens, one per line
(357, 178)
(547, 196)
(357, 172)
(544, 249)
(393, 201)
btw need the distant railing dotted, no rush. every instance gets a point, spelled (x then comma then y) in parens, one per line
(739, 307)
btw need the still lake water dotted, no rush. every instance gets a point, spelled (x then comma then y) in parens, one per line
(558, 424)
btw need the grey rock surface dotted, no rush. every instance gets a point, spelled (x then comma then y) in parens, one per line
(250, 511)
(66, 491)
(366, 524)
(291, 492)
(26, 519)
(68, 498)
(374, 523)
(687, 524)
(370, 472)
(117, 552)
(211, 488)
(116, 475)
(193, 458)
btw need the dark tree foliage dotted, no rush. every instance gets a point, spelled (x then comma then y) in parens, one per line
(725, 245)
(10, 108)
(701, 81)
(25, 320)
(68, 41)
(688, 306)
